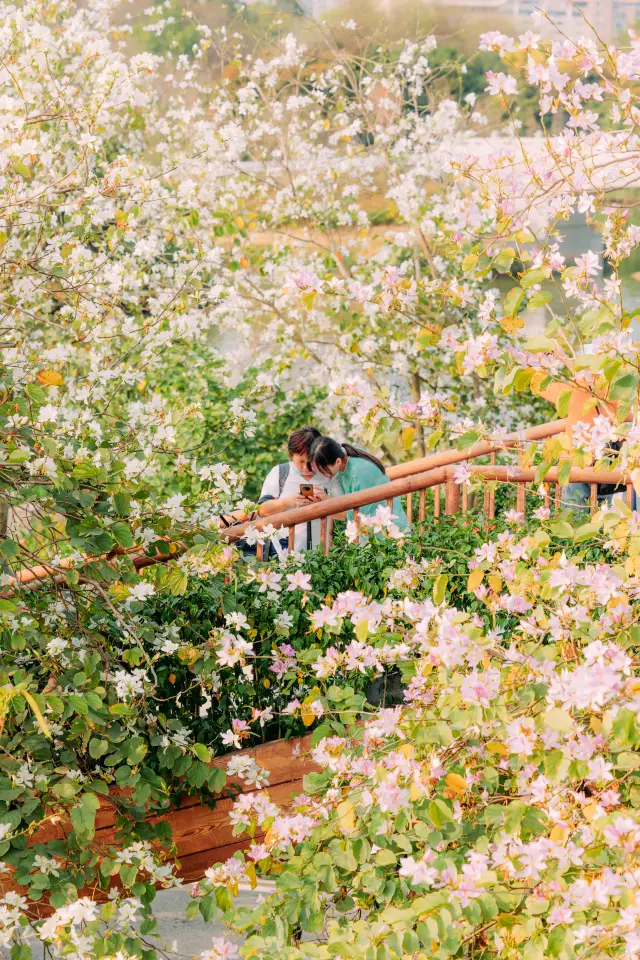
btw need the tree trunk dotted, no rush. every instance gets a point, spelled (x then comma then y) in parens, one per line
(416, 391)
(4, 517)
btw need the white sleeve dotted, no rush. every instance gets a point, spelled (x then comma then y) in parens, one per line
(271, 485)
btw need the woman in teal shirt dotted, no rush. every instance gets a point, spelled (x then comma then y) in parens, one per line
(356, 470)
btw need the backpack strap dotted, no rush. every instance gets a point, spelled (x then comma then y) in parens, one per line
(283, 473)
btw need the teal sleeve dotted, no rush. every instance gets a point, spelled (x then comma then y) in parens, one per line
(362, 476)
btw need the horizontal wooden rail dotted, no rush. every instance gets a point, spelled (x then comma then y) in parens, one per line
(447, 457)
(337, 505)
(516, 474)
(455, 494)
(405, 478)
(56, 571)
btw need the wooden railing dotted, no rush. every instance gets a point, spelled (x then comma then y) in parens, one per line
(446, 457)
(436, 473)
(32, 576)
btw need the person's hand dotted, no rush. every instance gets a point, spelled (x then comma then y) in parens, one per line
(296, 500)
(319, 494)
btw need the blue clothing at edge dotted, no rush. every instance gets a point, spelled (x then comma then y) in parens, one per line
(360, 474)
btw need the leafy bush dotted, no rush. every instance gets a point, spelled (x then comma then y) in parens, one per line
(496, 810)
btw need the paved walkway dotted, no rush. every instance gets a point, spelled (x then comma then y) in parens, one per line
(188, 937)
(193, 936)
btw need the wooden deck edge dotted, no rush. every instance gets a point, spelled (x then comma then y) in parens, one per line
(203, 835)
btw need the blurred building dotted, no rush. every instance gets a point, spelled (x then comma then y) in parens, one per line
(610, 18)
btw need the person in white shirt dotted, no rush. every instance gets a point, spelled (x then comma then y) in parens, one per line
(281, 488)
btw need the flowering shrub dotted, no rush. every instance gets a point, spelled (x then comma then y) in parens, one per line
(102, 272)
(239, 652)
(496, 809)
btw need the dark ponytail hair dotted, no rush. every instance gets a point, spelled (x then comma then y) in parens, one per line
(325, 451)
(302, 440)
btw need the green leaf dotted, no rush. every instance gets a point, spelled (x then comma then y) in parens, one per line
(122, 504)
(35, 393)
(564, 470)
(513, 300)
(440, 813)
(624, 726)
(562, 529)
(624, 387)
(539, 299)
(23, 170)
(554, 764)
(78, 704)
(540, 345)
(9, 548)
(136, 750)
(207, 907)
(385, 858)
(467, 440)
(586, 532)
(562, 403)
(83, 817)
(488, 906)
(556, 940)
(217, 780)
(532, 277)
(20, 951)
(202, 753)
(122, 532)
(513, 816)
(98, 748)
(628, 761)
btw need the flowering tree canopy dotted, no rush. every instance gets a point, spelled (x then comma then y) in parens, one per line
(492, 810)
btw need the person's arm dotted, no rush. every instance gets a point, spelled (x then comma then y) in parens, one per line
(278, 505)
(271, 502)
(581, 407)
(577, 402)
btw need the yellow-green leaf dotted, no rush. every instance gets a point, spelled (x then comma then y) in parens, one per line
(558, 720)
(407, 437)
(346, 816)
(440, 587)
(308, 299)
(23, 170)
(562, 403)
(513, 300)
(42, 723)
(475, 579)
(532, 277)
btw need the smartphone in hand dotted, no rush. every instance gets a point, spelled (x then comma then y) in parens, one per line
(306, 490)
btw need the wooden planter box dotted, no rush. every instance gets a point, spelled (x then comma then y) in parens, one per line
(203, 836)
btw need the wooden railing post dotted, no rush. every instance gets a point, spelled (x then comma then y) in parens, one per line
(451, 497)
(521, 499)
